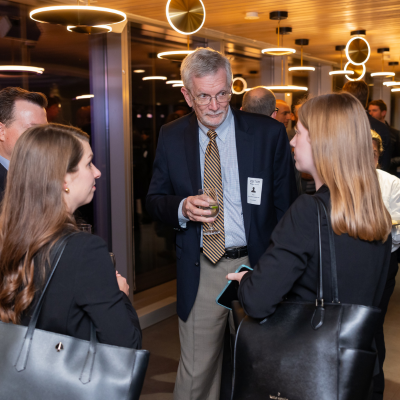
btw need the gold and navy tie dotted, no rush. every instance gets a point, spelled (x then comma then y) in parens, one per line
(214, 245)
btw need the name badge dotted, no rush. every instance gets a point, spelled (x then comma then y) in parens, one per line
(254, 189)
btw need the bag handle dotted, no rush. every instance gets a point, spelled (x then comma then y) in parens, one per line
(319, 313)
(22, 359)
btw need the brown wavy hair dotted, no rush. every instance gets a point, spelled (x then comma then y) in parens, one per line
(341, 145)
(33, 211)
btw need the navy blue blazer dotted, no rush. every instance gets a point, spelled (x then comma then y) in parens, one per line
(263, 152)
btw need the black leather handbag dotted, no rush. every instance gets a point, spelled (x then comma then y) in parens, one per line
(36, 364)
(307, 351)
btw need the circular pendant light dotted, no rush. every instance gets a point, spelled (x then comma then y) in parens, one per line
(186, 17)
(279, 51)
(10, 70)
(173, 82)
(341, 71)
(77, 15)
(239, 85)
(178, 85)
(358, 71)
(391, 83)
(301, 42)
(154, 78)
(84, 96)
(174, 55)
(383, 50)
(284, 88)
(89, 30)
(357, 50)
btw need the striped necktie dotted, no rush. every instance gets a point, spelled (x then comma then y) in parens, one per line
(214, 245)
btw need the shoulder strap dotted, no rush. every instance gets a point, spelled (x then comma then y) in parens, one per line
(55, 255)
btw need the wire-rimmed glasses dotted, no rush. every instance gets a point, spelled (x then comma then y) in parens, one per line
(205, 99)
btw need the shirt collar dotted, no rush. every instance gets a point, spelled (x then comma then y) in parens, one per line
(4, 162)
(222, 130)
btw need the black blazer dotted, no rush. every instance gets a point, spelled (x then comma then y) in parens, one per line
(262, 151)
(384, 132)
(395, 139)
(289, 268)
(83, 289)
(3, 176)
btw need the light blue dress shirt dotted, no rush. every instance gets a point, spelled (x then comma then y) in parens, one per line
(233, 215)
(4, 162)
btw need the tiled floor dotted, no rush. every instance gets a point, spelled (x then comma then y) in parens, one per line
(163, 342)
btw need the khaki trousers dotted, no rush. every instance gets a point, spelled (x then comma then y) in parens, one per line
(201, 336)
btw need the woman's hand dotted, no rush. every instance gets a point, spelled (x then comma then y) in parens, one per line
(123, 286)
(236, 276)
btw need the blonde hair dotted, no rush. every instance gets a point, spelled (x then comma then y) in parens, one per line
(378, 140)
(341, 145)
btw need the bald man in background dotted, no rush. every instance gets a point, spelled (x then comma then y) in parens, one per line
(260, 100)
(283, 114)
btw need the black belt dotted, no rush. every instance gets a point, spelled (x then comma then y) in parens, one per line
(233, 253)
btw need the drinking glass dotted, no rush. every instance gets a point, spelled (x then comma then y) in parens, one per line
(210, 195)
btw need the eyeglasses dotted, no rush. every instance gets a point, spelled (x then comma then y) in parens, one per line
(205, 99)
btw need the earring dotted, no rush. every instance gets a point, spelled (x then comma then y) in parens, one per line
(67, 190)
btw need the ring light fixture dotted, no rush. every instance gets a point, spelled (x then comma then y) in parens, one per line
(279, 51)
(173, 82)
(77, 15)
(174, 55)
(396, 90)
(341, 71)
(89, 30)
(21, 68)
(154, 78)
(284, 88)
(301, 42)
(178, 85)
(186, 17)
(239, 85)
(358, 50)
(354, 72)
(84, 96)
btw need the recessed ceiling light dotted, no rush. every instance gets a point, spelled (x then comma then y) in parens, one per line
(252, 15)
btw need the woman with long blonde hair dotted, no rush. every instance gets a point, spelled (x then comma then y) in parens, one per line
(333, 144)
(52, 174)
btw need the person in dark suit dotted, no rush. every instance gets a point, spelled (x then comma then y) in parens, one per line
(378, 110)
(360, 90)
(232, 151)
(19, 110)
(345, 177)
(51, 175)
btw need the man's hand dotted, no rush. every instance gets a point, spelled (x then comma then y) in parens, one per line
(191, 210)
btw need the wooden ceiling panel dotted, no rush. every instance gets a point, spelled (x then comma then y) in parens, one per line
(325, 23)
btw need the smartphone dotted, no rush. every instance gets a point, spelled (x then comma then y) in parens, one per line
(229, 293)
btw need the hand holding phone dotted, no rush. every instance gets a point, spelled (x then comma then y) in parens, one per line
(229, 293)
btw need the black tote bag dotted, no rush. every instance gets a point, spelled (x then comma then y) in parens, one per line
(307, 351)
(36, 364)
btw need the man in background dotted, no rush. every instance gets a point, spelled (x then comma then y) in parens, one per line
(283, 114)
(53, 109)
(260, 100)
(19, 110)
(378, 110)
(359, 89)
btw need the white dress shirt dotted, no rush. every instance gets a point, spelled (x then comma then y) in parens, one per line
(235, 235)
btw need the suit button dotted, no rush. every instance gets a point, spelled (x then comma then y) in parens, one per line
(196, 264)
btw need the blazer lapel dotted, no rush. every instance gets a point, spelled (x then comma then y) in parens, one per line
(244, 149)
(191, 138)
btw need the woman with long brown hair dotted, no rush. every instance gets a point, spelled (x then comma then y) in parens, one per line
(52, 174)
